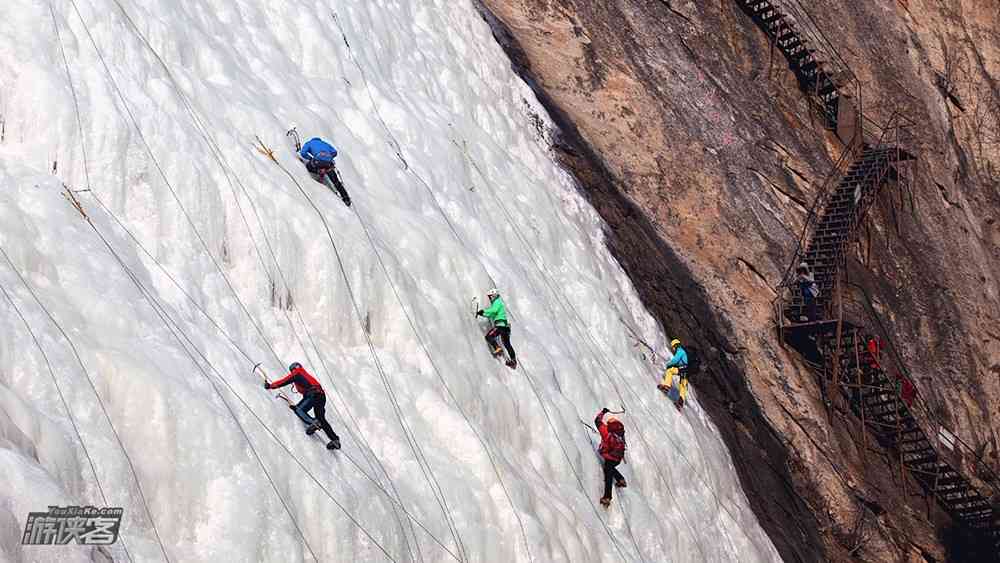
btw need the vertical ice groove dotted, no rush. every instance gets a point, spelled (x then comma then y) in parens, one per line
(220, 258)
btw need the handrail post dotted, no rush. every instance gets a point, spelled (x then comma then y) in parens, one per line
(861, 400)
(838, 345)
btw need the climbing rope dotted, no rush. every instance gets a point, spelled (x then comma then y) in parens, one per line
(100, 401)
(229, 174)
(562, 448)
(394, 143)
(621, 497)
(170, 188)
(87, 175)
(174, 328)
(69, 412)
(180, 334)
(403, 160)
(114, 83)
(194, 302)
(396, 146)
(600, 359)
(415, 447)
(444, 383)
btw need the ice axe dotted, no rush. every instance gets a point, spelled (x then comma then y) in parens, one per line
(294, 134)
(256, 367)
(264, 377)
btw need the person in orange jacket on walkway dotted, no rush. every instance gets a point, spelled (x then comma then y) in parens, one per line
(612, 451)
(313, 397)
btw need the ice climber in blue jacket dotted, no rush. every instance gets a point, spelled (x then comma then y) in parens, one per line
(318, 156)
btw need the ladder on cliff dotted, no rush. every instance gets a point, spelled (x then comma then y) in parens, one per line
(840, 218)
(881, 401)
(820, 72)
(838, 348)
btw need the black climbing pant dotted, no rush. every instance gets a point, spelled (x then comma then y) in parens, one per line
(504, 333)
(318, 167)
(611, 475)
(317, 402)
(321, 169)
(809, 309)
(335, 180)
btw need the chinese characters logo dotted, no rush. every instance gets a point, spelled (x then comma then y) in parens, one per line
(85, 525)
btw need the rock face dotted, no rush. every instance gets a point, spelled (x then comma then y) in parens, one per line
(691, 137)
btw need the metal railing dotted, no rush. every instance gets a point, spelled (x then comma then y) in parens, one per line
(808, 27)
(921, 409)
(893, 135)
(823, 52)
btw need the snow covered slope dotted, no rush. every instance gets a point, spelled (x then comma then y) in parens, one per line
(129, 333)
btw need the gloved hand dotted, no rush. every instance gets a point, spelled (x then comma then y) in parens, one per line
(479, 313)
(605, 410)
(267, 385)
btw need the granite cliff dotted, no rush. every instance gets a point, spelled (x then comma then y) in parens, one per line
(689, 133)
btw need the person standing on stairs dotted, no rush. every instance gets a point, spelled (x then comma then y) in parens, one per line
(497, 314)
(318, 156)
(313, 397)
(612, 451)
(809, 290)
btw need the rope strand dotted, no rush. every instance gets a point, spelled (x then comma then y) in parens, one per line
(65, 404)
(414, 446)
(100, 401)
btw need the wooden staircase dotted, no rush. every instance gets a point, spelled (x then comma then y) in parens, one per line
(820, 72)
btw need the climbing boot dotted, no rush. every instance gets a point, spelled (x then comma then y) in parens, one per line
(512, 364)
(334, 444)
(620, 483)
(312, 429)
(605, 501)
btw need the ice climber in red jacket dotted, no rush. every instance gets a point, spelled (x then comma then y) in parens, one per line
(612, 451)
(313, 398)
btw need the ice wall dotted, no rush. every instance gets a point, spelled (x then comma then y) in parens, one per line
(130, 326)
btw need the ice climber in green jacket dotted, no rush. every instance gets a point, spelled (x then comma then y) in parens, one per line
(497, 314)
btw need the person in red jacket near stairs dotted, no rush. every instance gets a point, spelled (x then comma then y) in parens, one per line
(612, 451)
(313, 398)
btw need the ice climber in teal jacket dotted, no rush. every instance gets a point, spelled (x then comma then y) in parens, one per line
(497, 314)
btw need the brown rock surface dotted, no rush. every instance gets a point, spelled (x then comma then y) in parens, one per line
(693, 141)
